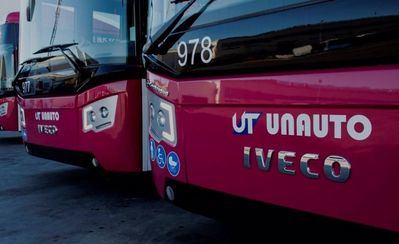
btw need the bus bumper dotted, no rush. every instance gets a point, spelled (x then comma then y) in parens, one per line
(100, 127)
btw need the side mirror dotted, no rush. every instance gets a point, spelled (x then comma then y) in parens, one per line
(30, 10)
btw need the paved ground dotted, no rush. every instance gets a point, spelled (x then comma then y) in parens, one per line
(44, 201)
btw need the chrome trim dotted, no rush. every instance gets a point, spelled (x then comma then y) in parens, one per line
(260, 159)
(304, 165)
(247, 157)
(283, 164)
(345, 168)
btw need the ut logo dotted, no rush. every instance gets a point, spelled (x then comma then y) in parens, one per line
(248, 121)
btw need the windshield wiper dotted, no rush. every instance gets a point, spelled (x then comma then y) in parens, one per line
(36, 60)
(167, 28)
(180, 29)
(56, 47)
(74, 61)
(178, 1)
(161, 41)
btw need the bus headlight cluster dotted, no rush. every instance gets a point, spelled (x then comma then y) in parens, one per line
(3, 109)
(100, 115)
(162, 120)
(22, 117)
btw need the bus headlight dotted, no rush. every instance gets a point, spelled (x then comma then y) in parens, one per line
(152, 112)
(22, 114)
(105, 109)
(104, 112)
(92, 116)
(162, 122)
(3, 109)
(161, 119)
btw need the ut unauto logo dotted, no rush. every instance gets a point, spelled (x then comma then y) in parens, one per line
(247, 123)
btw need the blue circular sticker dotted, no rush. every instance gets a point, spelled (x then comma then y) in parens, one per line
(153, 148)
(173, 164)
(161, 156)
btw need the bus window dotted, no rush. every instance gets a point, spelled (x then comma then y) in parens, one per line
(223, 10)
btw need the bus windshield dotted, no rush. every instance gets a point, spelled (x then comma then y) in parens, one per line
(8, 50)
(103, 30)
(160, 12)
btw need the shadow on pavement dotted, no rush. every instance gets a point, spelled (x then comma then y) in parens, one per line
(139, 185)
(248, 221)
(10, 140)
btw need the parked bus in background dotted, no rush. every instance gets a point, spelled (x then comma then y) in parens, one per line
(8, 69)
(290, 103)
(80, 83)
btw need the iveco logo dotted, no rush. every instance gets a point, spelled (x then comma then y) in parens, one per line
(26, 87)
(47, 129)
(335, 168)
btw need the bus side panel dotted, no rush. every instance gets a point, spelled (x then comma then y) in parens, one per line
(368, 196)
(361, 135)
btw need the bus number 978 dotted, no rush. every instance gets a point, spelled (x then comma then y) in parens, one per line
(205, 51)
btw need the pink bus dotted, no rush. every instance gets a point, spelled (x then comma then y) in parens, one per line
(289, 103)
(80, 83)
(8, 69)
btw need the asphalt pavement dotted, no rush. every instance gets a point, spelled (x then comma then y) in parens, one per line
(43, 201)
